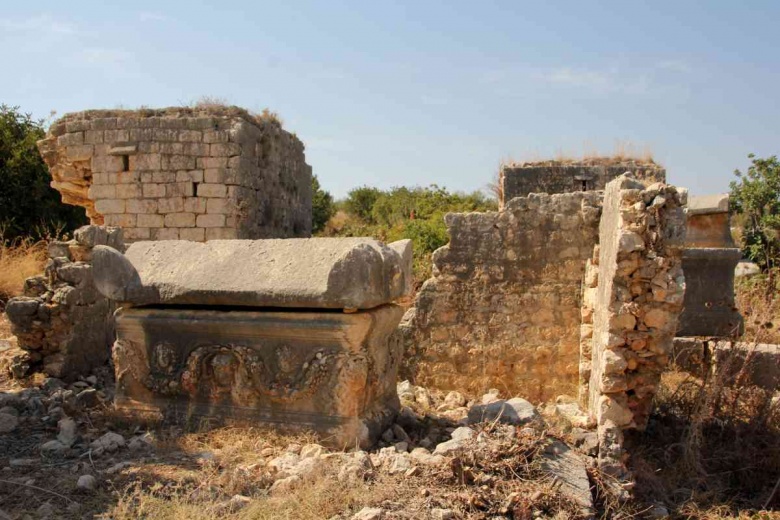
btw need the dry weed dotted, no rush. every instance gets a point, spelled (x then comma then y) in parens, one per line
(760, 308)
(18, 261)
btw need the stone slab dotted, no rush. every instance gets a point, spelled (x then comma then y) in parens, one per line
(569, 472)
(332, 273)
(707, 204)
(330, 372)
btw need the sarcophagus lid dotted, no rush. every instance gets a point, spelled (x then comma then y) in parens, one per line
(317, 273)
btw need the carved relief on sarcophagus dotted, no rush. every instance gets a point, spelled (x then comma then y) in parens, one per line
(329, 365)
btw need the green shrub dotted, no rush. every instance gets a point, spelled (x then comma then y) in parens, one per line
(322, 207)
(28, 205)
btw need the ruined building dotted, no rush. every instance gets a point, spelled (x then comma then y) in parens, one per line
(181, 173)
(520, 180)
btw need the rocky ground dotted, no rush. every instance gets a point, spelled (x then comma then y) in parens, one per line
(65, 453)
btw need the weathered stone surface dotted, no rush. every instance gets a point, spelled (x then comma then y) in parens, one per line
(514, 411)
(708, 204)
(503, 306)
(330, 372)
(356, 273)
(520, 180)
(119, 161)
(569, 472)
(637, 300)
(709, 261)
(62, 320)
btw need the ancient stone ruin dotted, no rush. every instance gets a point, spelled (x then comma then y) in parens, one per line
(520, 180)
(502, 309)
(294, 333)
(709, 261)
(180, 173)
(62, 322)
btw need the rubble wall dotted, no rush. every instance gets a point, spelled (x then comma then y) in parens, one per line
(637, 298)
(179, 173)
(519, 180)
(502, 309)
(62, 322)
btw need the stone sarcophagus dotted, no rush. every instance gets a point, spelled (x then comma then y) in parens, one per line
(709, 260)
(296, 333)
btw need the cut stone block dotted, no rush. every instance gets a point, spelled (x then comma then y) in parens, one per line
(333, 273)
(330, 372)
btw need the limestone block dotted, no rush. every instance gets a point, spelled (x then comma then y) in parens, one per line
(123, 220)
(180, 220)
(171, 205)
(353, 273)
(110, 205)
(79, 153)
(163, 177)
(153, 190)
(116, 136)
(212, 162)
(194, 234)
(178, 162)
(189, 176)
(191, 136)
(212, 190)
(211, 221)
(224, 149)
(71, 139)
(128, 191)
(220, 206)
(128, 177)
(102, 191)
(708, 204)
(196, 204)
(145, 161)
(332, 373)
(141, 206)
(150, 221)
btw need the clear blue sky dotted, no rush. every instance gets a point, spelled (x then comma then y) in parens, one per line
(414, 93)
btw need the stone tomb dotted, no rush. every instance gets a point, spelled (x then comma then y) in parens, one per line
(298, 333)
(709, 261)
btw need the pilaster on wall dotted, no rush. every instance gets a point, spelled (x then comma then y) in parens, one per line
(635, 300)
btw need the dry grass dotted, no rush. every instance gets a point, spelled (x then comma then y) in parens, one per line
(622, 152)
(18, 261)
(235, 466)
(712, 449)
(760, 308)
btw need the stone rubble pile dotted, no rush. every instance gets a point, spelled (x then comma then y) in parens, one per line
(62, 321)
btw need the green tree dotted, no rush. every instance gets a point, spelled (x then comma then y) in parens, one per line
(322, 207)
(360, 202)
(756, 196)
(28, 205)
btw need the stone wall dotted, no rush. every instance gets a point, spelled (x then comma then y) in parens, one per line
(62, 322)
(637, 297)
(502, 309)
(179, 173)
(518, 180)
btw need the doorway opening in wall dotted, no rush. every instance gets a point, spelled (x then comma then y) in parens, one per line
(584, 185)
(125, 163)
